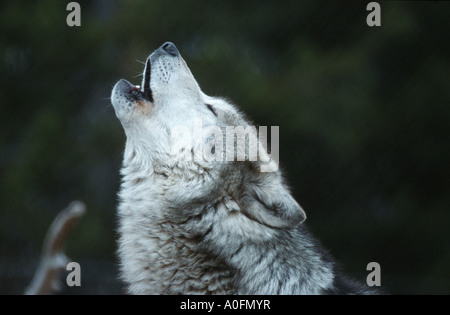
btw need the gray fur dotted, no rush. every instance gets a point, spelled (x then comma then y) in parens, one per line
(190, 226)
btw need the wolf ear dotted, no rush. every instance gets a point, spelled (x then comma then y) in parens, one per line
(269, 202)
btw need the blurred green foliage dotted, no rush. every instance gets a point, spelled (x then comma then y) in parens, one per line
(363, 115)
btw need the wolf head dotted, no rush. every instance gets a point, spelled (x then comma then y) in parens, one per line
(165, 119)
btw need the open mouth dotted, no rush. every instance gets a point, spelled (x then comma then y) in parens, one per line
(145, 88)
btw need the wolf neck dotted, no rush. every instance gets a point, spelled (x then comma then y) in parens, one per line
(303, 272)
(253, 252)
(258, 265)
(159, 254)
(166, 248)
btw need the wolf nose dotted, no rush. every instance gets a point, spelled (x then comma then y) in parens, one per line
(170, 48)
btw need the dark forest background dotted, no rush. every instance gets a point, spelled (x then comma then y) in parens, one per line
(363, 113)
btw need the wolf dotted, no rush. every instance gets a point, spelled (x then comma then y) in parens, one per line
(190, 225)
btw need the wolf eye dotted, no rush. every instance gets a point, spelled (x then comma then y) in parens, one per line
(211, 109)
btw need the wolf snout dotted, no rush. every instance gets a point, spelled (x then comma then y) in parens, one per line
(170, 48)
(124, 90)
(124, 85)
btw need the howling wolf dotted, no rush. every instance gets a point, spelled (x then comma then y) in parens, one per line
(192, 219)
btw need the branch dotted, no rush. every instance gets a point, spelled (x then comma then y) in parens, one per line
(52, 257)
